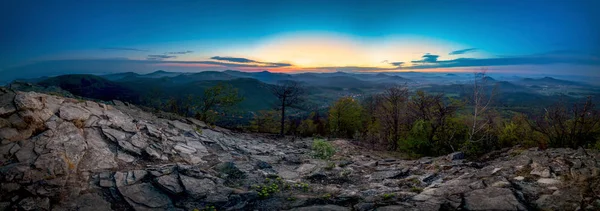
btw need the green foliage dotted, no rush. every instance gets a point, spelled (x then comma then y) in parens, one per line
(330, 166)
(198, 130)
(266, 122)
(322, 149)
(207, 208)
(344, 117)
(416, 189)
(388, 196)
(416, 143)
(310, 126)
(216, 100)
(277, 186)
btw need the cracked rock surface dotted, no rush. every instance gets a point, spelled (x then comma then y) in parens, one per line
(65, 154)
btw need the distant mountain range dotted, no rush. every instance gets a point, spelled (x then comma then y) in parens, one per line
(323, 88)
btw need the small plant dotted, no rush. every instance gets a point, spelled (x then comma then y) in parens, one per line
(388, 196)
(322, 149)
(345, 173)
(416, 189)
(206, 208)
(326, 196)
(303, 186)
(198, 130)
(79, 123)
(330, 166)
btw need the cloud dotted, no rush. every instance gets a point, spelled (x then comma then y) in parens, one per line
(159, 57)
(250, 61)
(397, 63)
(180, 52)
(124, 49)
(537, 59)
(463, 51)
(427, 58)
(233, 59)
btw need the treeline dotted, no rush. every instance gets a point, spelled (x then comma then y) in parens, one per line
(417, 123)
(427, 124)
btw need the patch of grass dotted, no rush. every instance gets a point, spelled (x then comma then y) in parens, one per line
(330, 166)
(416, 189)
(388, 196)
(198, 130)
(271, 187)
(322, 149)
(206, 208)
(326, 196)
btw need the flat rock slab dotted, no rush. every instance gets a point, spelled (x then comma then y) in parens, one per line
(145, 196)
(393, 174)
(322, 208)
(197, 188)
(492, 198)
(170, 183)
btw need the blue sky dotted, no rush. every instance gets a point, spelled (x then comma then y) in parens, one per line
(307, 35)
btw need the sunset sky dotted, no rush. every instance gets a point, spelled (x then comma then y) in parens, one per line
(101, 36)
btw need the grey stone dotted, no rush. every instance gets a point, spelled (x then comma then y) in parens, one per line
(129, 177)
(9, 133)
(98, 156)
(547, 181)
(36, 203)
(197, 188)
(145, 196)
(392, 174)
(28, 101)
(492, 198)
(322, 208)
(9, 187)
(115, 135)
(170, 183)
(456, 156)
(138, 141)
(125, 157)
(182, 148)
(6, 102)
(91, 202)
(17, 122)
(106, 183)
(71, 112)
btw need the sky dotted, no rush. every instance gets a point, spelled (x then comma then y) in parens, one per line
(105, 36)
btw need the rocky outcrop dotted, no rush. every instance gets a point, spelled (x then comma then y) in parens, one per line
(65, 154)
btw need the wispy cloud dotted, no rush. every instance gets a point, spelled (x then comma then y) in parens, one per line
(249, 61)
(233, 59)
(431, 61)
(180, 52)
(124, 49)
(159, 57)
(463, 51)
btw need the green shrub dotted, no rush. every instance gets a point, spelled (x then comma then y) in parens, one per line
(322, 149)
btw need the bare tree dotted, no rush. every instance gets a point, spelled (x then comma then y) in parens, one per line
(393, 108)
(289, 94)
(565, 126)
(480, 101)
